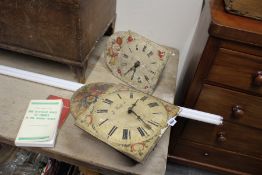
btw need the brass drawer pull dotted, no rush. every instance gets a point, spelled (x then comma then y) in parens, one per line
(221, 136)
(257, 79)
(206, 154)
(237, 111)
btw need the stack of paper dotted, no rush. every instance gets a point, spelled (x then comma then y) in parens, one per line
(39, 127)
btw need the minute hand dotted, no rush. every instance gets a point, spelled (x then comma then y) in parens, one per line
(140, 119)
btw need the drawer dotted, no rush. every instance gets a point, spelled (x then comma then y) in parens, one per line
(236, 138)
(202, 155)
(238, 70)
(233, 106)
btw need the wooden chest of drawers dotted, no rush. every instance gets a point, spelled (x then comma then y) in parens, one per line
(61, 30)
(228, 82)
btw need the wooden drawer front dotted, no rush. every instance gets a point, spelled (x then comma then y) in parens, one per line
(239, 70)
(216, 158)
(233, 106)
(241, 47)
(236, 138)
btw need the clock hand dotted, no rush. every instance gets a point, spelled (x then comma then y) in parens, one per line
(133, 74)
(140, 119)
(129, 70)
(137, 64)
(133, 105)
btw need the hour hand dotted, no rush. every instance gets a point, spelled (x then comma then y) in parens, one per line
(133, 68)
(133, 105)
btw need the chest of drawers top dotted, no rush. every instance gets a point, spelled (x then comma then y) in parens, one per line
(233, 27)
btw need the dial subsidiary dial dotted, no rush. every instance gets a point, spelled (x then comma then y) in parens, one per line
(128, 117)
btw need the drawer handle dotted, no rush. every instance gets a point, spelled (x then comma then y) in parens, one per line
(237, 111)
(206, 154)
(257, 79)
(221, 136)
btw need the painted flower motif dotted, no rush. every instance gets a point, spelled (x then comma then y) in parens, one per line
(119, 41)
(113, 53)
(89, 119)
(161, 54)
(119, 71)
(168, 108)
(137, 147)
(130, 38)
(90, 99)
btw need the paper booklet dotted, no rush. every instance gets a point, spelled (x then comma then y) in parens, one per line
(40, 123)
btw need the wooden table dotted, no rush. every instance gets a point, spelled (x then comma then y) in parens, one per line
(74, 145)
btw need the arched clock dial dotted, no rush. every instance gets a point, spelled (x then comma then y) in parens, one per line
(128, 120)
(136, 60)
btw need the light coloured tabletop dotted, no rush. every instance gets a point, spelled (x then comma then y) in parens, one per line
(74, 145)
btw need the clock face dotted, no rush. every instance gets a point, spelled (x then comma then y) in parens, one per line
(136, 60)
(127, 117)
(128, 120)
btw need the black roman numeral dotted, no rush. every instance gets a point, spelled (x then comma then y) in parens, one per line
(144, 48)
(153, 123)
(150, 54)
(108, 101)
(151, 105)
(131, 95)
(156, 112)
(136, 47)
(144, 98)
(111, 132)
(130, 50)
(103, 122)
(119, 96)
(152, 72)
(101, 111)
(146, 77)
(126, 134)
(142, 131)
